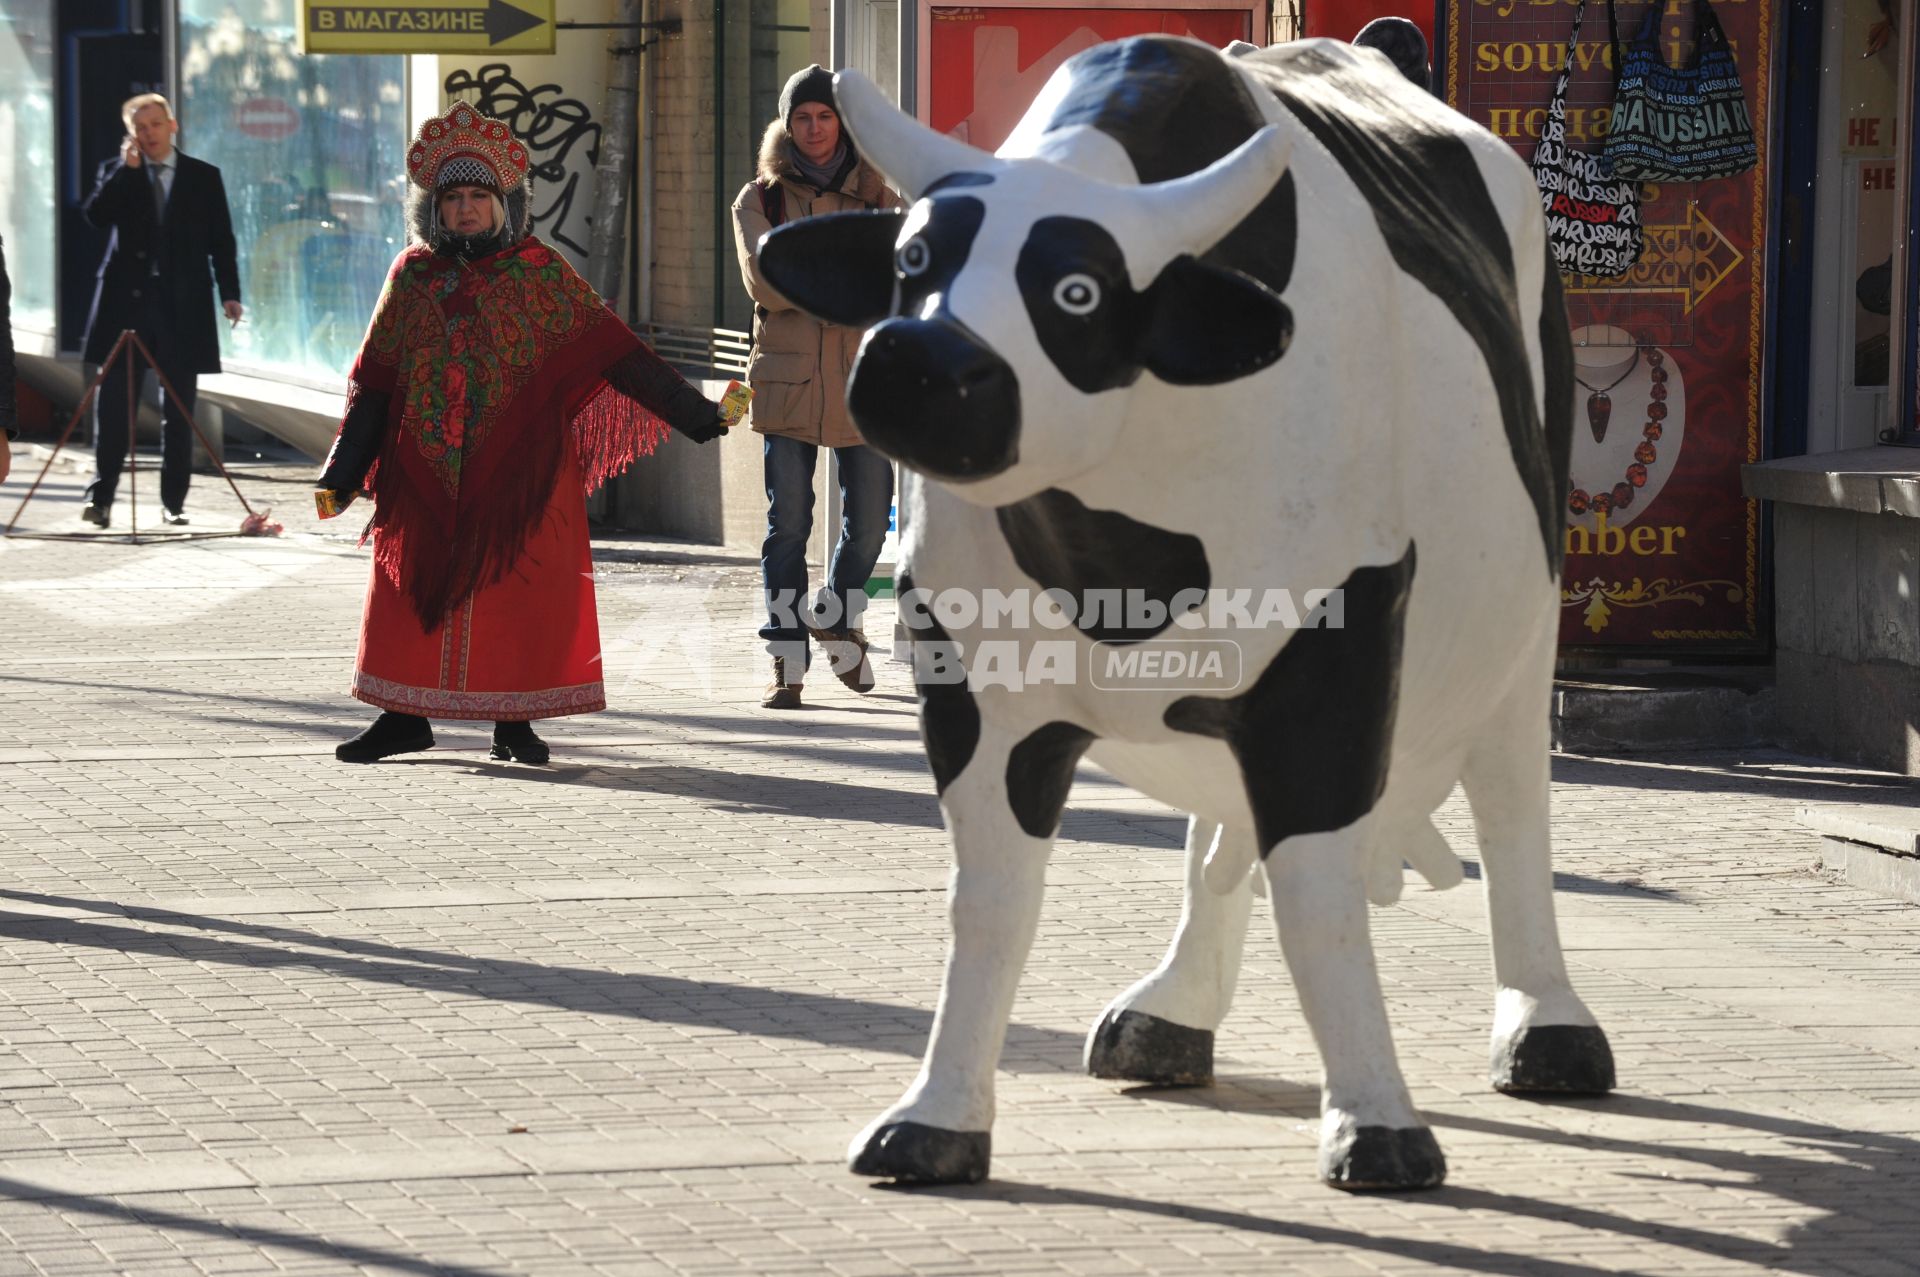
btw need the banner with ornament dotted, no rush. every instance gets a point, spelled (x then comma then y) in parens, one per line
(1663, 551)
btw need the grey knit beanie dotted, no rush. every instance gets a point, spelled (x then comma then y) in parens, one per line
(815, 84)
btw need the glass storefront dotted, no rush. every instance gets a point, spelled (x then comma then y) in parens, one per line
(26, 160)
(312, 150)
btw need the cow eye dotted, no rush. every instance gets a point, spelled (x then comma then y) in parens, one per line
(1077, 294)
(914, 257)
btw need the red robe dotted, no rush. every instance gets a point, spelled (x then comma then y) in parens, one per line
(500, 420)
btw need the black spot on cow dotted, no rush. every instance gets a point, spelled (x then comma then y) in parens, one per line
(934, 245)
(962, 178)
(1040, 772)
(1175, 108)
(1195, 325)
(1063, 545)
(949, 720)
(1314, 734)
(1556, 358)
(928, 391)
(1441, 226)
(1073, 279)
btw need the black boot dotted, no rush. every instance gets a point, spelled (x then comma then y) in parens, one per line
(516, 741)
(390, 734)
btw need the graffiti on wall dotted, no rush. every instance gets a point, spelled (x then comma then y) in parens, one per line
(553, 127)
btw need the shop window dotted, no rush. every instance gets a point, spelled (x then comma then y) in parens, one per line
(26, 160)
(873, 43)
(312, 150)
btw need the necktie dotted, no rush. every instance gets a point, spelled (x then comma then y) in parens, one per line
(159, 193)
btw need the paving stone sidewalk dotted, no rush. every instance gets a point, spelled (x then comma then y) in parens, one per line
(262, 1013)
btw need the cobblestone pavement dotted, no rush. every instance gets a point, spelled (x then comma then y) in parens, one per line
(264, 1013)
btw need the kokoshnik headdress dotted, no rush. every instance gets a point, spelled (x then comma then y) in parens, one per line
(464, 147)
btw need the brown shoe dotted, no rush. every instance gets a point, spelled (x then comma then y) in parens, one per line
(846, 650)
(782, 693)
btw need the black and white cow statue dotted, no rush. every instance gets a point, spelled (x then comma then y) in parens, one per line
(1205, 325)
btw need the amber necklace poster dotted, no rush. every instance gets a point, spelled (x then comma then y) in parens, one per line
(1662, 548)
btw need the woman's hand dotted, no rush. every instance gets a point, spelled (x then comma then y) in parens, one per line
(710, 430)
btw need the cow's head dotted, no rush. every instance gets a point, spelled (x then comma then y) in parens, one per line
(1018, 301)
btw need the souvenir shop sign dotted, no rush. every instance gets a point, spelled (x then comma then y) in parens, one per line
(1662, 548)
(433, 26)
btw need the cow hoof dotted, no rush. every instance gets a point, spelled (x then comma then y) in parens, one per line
(1384, 1159)
(1135, 1047)
(913, 1153)
(1561, 1059)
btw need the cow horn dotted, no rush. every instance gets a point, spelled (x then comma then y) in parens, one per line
(910, 155)
(1202, 207)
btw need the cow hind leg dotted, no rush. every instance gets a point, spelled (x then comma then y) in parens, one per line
(1002, 809)
(1544, 1037)
(1160, 1031)
(1370, 1135)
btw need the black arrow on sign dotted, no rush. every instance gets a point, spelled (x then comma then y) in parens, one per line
(504, 21)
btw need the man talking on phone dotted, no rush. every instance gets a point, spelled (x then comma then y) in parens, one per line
(171, 245)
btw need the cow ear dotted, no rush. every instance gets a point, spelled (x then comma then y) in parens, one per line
(1208, 325)
(837, 267)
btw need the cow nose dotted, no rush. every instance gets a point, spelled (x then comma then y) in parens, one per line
(932, 395)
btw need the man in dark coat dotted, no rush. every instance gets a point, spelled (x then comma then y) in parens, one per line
(9, 412)
(172, 242)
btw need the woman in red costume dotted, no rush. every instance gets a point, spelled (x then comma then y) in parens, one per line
(493, 391)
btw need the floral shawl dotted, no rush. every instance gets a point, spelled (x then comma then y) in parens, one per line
(493, 369)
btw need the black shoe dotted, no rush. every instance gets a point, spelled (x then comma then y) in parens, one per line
(390, 734)
(97, 515)
(517, 742)
(174, 517)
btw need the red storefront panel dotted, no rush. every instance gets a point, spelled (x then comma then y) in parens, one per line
(1670, 355)
(987, 64)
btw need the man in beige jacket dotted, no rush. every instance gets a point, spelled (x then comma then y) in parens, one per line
(799, 377)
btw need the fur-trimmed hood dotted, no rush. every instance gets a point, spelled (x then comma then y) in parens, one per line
(864, 183)
(425, 228)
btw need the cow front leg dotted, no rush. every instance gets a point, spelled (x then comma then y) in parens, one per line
(1544, 1037)
(1370, 1135)
(1160, 1031)
(1001, 810)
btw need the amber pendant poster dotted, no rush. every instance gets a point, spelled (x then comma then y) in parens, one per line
(1662, 549)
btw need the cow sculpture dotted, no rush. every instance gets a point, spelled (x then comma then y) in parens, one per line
(1279, 325)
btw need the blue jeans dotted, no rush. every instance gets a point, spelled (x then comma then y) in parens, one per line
(866, 495)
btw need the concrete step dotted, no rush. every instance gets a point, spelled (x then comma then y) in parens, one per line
(1875, 846)
(1633, 711)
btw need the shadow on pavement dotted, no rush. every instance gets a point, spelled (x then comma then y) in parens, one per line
(1583, 885)
(1249, 1094)
(1862, 1170)
(845, 1023)
(173, 1222)
(771, 725)
(1781, 776)
(1451, 1255)
(758, 793)
(802, 797)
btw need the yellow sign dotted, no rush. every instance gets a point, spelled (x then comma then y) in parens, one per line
(1689, 258)
(433, 26)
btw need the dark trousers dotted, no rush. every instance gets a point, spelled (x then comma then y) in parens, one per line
(110, 420)
(866, 494)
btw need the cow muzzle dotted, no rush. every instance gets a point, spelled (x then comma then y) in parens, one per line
(933, 396)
